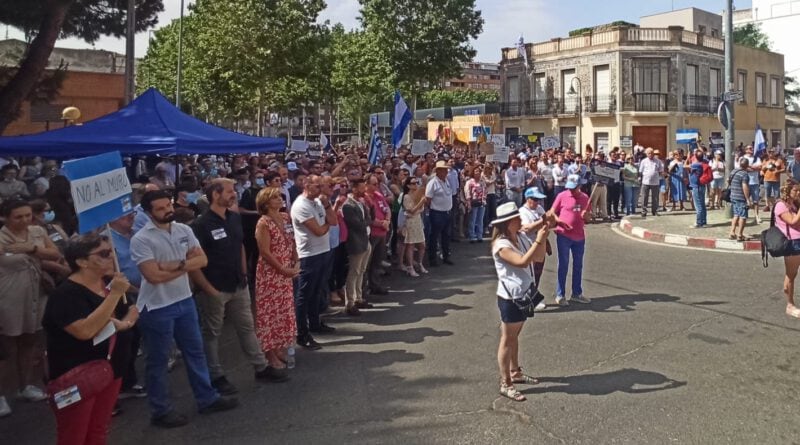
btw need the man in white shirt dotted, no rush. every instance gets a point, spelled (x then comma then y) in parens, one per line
(560, 173)
(515, 182)
(650, 171)
(753, 172)
(312, 216)
(439, 196)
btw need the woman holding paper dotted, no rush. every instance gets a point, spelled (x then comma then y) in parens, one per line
(87, 322)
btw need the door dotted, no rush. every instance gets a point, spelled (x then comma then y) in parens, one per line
(654, 136)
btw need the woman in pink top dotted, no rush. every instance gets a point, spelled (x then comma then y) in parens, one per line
(787, 219)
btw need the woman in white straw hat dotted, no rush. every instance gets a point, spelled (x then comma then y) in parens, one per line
(513, 260)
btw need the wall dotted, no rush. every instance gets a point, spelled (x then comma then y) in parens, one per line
(690, 18)
(748, 113)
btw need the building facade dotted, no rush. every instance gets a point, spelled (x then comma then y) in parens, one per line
(631, 82)
(94, 82)
(476, 76)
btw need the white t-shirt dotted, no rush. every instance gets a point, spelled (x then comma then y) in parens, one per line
(512, 282)
(547, 172)
(515, 178)
(717, 169)
(530, 216)
(651, 171)
(560, 175)
(755, 163)
(307, 243)
(440, 194)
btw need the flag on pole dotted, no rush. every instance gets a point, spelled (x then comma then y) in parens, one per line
(402, 117)
(324, 143)
(374, 155)
(759, 142)
(522, 51)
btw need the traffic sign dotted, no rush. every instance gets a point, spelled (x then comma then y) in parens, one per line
(732, 96)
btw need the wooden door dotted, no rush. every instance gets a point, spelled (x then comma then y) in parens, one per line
(654, 136)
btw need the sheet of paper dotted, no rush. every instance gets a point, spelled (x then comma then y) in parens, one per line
(104, 333)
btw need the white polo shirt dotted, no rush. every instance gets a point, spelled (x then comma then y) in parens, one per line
(440, 194)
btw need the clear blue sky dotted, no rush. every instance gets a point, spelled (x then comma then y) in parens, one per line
(505, 20)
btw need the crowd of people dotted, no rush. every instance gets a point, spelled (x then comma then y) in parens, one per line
(273, 242)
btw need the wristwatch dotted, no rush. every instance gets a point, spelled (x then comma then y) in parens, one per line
(181, 266)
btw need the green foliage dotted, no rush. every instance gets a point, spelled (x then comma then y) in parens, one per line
(791, 91)
(582, 31)
(752, 36)
(443, 98)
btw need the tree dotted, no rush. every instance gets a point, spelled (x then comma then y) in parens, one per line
(424, 40)
(47, 20)
(456, 98)
(752, 36)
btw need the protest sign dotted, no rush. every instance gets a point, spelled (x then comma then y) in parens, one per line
(605, 172)
(100, 189)
(486, 148)
(686, 135)
(549, 142)
(501, 153)
(299, 146)
(478, 131)
(421, 146)
(499, 140)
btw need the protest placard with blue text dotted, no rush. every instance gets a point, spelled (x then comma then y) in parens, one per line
(101, 191)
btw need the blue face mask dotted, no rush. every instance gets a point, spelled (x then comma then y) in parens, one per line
(213, 172)
(260, 182)
(193, 197)
(49, 216)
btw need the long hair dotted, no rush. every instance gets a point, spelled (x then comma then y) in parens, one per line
(500, 230)
(786, 191)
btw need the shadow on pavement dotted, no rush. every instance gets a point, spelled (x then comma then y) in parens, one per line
(628, 380)
(408, 336)
(618, 303)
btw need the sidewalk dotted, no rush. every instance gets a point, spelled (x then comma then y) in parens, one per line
(675, 228)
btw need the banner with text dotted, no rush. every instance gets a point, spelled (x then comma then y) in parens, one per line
(605, 172)
(419, 147)
(100, 189)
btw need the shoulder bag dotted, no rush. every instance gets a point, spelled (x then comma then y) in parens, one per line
(82, 382)
(726, 193)
(774, 242)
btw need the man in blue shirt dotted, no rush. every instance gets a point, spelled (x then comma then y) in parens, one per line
(698, 190)
(794, 166)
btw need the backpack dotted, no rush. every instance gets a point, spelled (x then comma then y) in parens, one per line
(706, 177)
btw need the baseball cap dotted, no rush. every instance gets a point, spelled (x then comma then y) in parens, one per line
(573, 181)
(292, 166)
(534, 192)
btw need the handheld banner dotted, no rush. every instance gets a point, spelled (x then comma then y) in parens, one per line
(100, 189)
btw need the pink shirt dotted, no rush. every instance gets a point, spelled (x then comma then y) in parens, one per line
(780, 209)
(569, 209)
(380, 212)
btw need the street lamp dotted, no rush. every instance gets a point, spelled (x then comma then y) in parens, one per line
(579, 93)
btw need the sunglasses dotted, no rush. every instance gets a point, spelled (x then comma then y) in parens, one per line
(105, 253)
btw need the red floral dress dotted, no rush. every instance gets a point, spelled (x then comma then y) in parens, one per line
(276, 325)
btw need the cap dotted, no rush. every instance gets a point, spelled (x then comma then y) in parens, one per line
(534, 192)
(573, 181)
(292, 166)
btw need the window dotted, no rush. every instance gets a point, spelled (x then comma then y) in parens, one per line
(713, 82)
(741, 85)
(714, 32)
(568, 136)
(513, 89)
(773, 91)
(539, 94)
(760, 99)
(650, 79)
(601, 140)
(566, 82)
(602, 88)
(775, 139)
(691, 80)
(701, 29)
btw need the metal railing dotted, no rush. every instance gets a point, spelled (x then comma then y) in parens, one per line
(700, 104)
(568, 105)
(600, 104)
(650, 102)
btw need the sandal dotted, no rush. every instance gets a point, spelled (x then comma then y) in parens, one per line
(512, 393)
(732, 236)
(523, 378)
(792, 311)
(741, 239)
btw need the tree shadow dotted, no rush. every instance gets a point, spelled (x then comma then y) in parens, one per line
(618, 303)
(407, 336)
(410, 313)
(628, 380)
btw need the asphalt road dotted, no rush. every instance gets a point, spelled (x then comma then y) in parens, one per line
(678, 346)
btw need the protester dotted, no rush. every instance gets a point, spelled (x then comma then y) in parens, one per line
(532, 218)
(631, 186)
(165, 252)
(793, 167)
(572, 209)
(741, 199)
(379, 229)
(718, 181)
(787, 219)
(357, 218)
(771, 170)
(678, 180)
(650, 170)
(475, 193)
(754, 185)
(696, 169)
(11, 187)
(512, 260)
(439, 196)
(75, 320)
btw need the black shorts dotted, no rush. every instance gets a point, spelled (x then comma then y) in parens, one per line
(509, 312)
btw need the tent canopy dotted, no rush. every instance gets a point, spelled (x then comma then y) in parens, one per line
(150, 124)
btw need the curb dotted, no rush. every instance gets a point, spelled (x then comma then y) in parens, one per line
(688, 241)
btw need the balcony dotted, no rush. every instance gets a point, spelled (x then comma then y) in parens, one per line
(600, 104)
(568, 105)
(700, 104)
(650, 102)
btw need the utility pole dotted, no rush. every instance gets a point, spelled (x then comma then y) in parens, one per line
(729, 133)
(130, 47)
(180, 61)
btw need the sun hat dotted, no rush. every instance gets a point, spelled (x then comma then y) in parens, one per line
(505, 212)
(573, 181)
(442, 164)
(534, 192)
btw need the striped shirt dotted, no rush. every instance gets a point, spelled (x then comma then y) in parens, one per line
(737, 192)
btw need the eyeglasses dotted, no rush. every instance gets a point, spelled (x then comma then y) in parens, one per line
(105, 253)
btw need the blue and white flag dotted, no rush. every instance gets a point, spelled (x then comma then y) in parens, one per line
(759, 144)
(402, 117)
(375, 146)
(101, 191)
(522, 51)
(324, 143)
(686, 135)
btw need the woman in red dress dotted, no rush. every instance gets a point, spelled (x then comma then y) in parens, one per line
(276, 326)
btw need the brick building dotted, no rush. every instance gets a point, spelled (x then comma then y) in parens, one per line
(476, 76)
(94, 82)
(644, 83)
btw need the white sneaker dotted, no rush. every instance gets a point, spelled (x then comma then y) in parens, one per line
(422, 268)
(411, 272)
(580, 299)
(561, 301)
(5, 410)
(386, 264)
(32, 394)
(541, 306)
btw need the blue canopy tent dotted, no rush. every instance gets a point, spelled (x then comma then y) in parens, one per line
(148, 125)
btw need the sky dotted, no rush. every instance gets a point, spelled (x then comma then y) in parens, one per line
(505, 20)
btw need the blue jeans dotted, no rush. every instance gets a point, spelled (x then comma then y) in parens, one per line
(476, 222)
(631, 199)
(440, 233)
(308, 289)
(324, 291)
(565, 246)
(699, 196)
(159, 327)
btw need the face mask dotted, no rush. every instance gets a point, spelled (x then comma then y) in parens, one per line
(193, 197)
(260, 182)
(9, 179)
(247, 185)
(213, 172)
(49, 216)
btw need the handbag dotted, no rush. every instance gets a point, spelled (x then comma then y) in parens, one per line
(528, 302)
(774, 242)
(726, 192)
(81, 382)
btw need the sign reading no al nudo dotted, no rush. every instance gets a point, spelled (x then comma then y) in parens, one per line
(101, 191)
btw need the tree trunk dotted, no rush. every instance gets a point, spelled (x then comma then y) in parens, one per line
(35, 62)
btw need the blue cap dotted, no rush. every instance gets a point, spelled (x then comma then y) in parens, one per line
(573, 181)
(534, 192)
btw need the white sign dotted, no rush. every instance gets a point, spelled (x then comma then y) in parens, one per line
(299, 146)
(549, 142)
(498, 140)
(94, 191)
(421, 146)
(501, 153)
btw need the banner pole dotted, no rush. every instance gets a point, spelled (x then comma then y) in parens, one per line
(114, 256)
